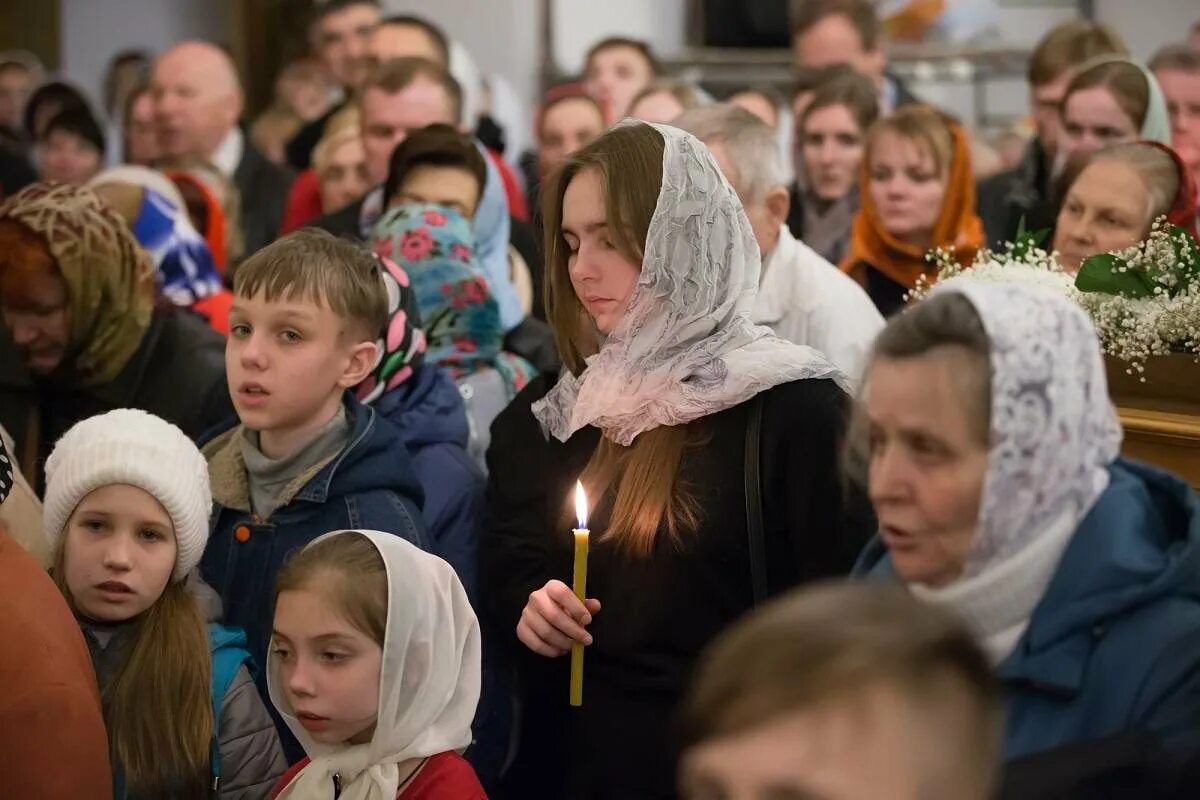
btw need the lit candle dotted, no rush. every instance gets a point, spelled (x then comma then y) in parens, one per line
(581, 561)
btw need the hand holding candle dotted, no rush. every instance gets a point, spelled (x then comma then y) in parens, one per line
(582, 536)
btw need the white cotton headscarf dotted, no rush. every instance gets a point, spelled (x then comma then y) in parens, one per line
(428, 686)
(1054, 431)
(686, 347)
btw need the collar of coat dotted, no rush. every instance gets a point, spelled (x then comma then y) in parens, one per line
(230, 481)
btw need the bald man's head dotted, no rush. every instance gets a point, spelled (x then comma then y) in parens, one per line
(197, 99)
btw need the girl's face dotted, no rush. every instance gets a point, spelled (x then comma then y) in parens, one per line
(1092, 119)
(832, 148)
(344, 178)
(603, 278)
(329, 669)
(927, 463)
(907, 188)
(1107, 208)
(119, 553)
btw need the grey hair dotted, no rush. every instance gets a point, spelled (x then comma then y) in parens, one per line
(1158, 172)
(750, 143)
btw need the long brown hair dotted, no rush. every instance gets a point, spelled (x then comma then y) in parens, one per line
(158, 707)
(645, 475)
(350, 571)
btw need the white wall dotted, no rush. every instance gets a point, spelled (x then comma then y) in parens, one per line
(94, 30)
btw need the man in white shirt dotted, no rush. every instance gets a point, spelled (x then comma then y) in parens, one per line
(801, 296)
(197, 102)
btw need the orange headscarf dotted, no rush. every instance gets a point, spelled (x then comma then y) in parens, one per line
(958, 225)
(214, 233)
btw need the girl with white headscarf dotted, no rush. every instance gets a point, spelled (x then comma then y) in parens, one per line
(652, 272)
(375, 667)
(995, 473)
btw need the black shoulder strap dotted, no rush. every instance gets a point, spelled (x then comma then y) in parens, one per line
(754, 510)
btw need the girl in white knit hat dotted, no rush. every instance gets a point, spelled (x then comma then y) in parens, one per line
(375, 666)
(127, 508)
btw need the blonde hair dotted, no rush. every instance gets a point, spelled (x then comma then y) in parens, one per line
(158, 707)
(349, 570)
(920, 124)
(314, 265)
(342, 128)
(687, 95)
(645, 476)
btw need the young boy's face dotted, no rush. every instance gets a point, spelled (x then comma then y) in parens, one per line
(288, 361)
(440, 186)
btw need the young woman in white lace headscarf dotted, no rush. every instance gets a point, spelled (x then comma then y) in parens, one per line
(652, 270)
(375, 667)
(995, 474)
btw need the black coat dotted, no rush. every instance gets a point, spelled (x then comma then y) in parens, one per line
(1023, 195)
(177, 373)
(344, 223)
(659, 613)
(264, 191)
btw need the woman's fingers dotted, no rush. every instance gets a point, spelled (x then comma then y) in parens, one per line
(536, 643)
(546, 605)
(564, 597)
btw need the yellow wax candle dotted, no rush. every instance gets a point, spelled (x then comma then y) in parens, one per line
(582, 535)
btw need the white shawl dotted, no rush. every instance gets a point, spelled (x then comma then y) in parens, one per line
(428, 686)
(686, 347)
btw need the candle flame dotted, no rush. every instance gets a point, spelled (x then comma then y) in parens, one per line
(581, 507)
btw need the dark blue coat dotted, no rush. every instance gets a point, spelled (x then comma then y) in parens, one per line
(1114, 644)
(370, 484)
(432, 419)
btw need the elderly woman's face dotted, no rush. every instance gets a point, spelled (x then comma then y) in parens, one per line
(927, 462)
(602, 277)
(33, 303)
(1107, 208)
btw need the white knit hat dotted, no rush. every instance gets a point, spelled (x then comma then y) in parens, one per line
(139, 449)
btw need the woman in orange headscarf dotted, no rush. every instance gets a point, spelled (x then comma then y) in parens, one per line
(918, 194)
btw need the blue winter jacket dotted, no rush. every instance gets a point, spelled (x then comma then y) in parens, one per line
(1114, 644)
(370, 484)
(432, 419)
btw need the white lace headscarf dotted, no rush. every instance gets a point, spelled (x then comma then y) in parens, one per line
(685, 348)
(428, 686)
(1054, 431)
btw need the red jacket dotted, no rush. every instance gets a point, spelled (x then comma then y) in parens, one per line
(446, 776)
(52, 739)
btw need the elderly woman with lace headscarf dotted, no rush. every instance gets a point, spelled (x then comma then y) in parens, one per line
(994, 469)
(85, 333)
(708, 446)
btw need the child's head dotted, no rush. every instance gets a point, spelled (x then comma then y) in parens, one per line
(127, 507)
(374, 642)
(307, 315)
(845, 691)
(437, 165)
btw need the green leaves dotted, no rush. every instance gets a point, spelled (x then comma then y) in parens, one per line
(1167, 263)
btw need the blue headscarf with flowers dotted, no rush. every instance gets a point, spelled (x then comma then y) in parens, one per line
(435, 248)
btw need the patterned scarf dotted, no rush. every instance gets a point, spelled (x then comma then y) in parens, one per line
(184, 260)
(435, 247)
(110, 279)
(402, 348)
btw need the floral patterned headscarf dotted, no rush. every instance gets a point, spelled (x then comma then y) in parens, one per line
(111, 281)
(434, 246)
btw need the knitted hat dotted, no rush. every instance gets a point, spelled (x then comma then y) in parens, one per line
(139, 449)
